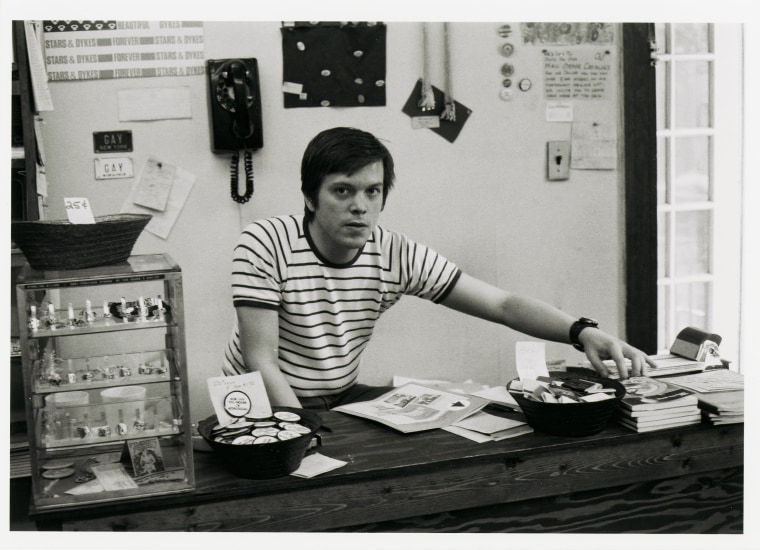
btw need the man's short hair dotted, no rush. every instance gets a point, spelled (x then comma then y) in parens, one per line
(341, 151)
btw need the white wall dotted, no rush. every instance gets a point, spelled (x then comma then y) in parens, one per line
(482, 201)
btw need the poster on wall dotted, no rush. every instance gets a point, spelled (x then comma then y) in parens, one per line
(91, 50)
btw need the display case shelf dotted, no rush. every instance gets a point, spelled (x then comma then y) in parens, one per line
(94, 328)
(105, 390)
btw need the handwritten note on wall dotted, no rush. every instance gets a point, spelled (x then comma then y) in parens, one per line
(577, 73)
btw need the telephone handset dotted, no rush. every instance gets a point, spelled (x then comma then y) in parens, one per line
(235, 108)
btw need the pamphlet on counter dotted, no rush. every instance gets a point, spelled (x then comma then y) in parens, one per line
(414, 408)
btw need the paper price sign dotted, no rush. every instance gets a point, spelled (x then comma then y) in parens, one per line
(78, 210)
(531, 360)
(239, 396)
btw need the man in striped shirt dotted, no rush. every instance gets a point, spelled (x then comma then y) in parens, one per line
(309, 289)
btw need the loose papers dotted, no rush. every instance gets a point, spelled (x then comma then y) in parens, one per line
(414, 408)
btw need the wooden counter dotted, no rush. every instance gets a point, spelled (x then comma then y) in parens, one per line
(531, 483)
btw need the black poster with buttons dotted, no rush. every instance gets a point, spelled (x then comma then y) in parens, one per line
(331, 64)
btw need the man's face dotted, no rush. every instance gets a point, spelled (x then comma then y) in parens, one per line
(349, 207)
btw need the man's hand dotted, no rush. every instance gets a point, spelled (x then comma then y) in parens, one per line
(599, 346)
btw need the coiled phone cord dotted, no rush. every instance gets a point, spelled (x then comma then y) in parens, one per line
(234, 171)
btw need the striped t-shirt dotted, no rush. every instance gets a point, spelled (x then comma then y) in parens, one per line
(326, 312)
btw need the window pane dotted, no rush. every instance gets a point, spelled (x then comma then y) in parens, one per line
(663, 226)
(691, 305)
(692, 169)
(692, 246)
(692, 92)
(691, 38)
(662, 170)
(663, 318)
(661, 89)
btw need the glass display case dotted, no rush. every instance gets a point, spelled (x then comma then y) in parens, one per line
(105, 382)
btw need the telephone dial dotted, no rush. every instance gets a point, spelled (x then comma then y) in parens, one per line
(235, 108)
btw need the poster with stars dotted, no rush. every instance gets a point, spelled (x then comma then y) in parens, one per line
(333, 64)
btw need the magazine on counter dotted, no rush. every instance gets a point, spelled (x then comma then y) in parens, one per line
(414, 408)
(646, 394)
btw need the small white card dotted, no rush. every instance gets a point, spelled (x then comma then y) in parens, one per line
(239, 396)
(420, 122)
(531, 360)
(78, 210)
(559, 111)
(292, 88)
(498, 395)
(486, 423)
(316, 464)
(113, 477)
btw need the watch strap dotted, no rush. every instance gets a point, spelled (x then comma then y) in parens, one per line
(577, 327)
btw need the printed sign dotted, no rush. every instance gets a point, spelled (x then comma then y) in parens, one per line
(114, 168)
(119, 141)
(87, 50)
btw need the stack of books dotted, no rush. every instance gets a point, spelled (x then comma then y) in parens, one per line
(723, 407)
(651, 404)
(720, 394)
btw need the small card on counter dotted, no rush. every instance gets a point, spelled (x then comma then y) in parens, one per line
(113, 477)
(316, 464)
(498, 395)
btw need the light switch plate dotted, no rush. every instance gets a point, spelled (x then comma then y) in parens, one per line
(558, 160)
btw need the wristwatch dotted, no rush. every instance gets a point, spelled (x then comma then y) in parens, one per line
(577, 327)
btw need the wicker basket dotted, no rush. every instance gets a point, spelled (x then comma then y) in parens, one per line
(54, 245)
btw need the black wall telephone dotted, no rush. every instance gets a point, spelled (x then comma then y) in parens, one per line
(235, 109)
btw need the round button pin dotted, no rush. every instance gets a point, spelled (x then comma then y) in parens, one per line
(525, 84)
(507, 69)
(507, 49)
(504, 31)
